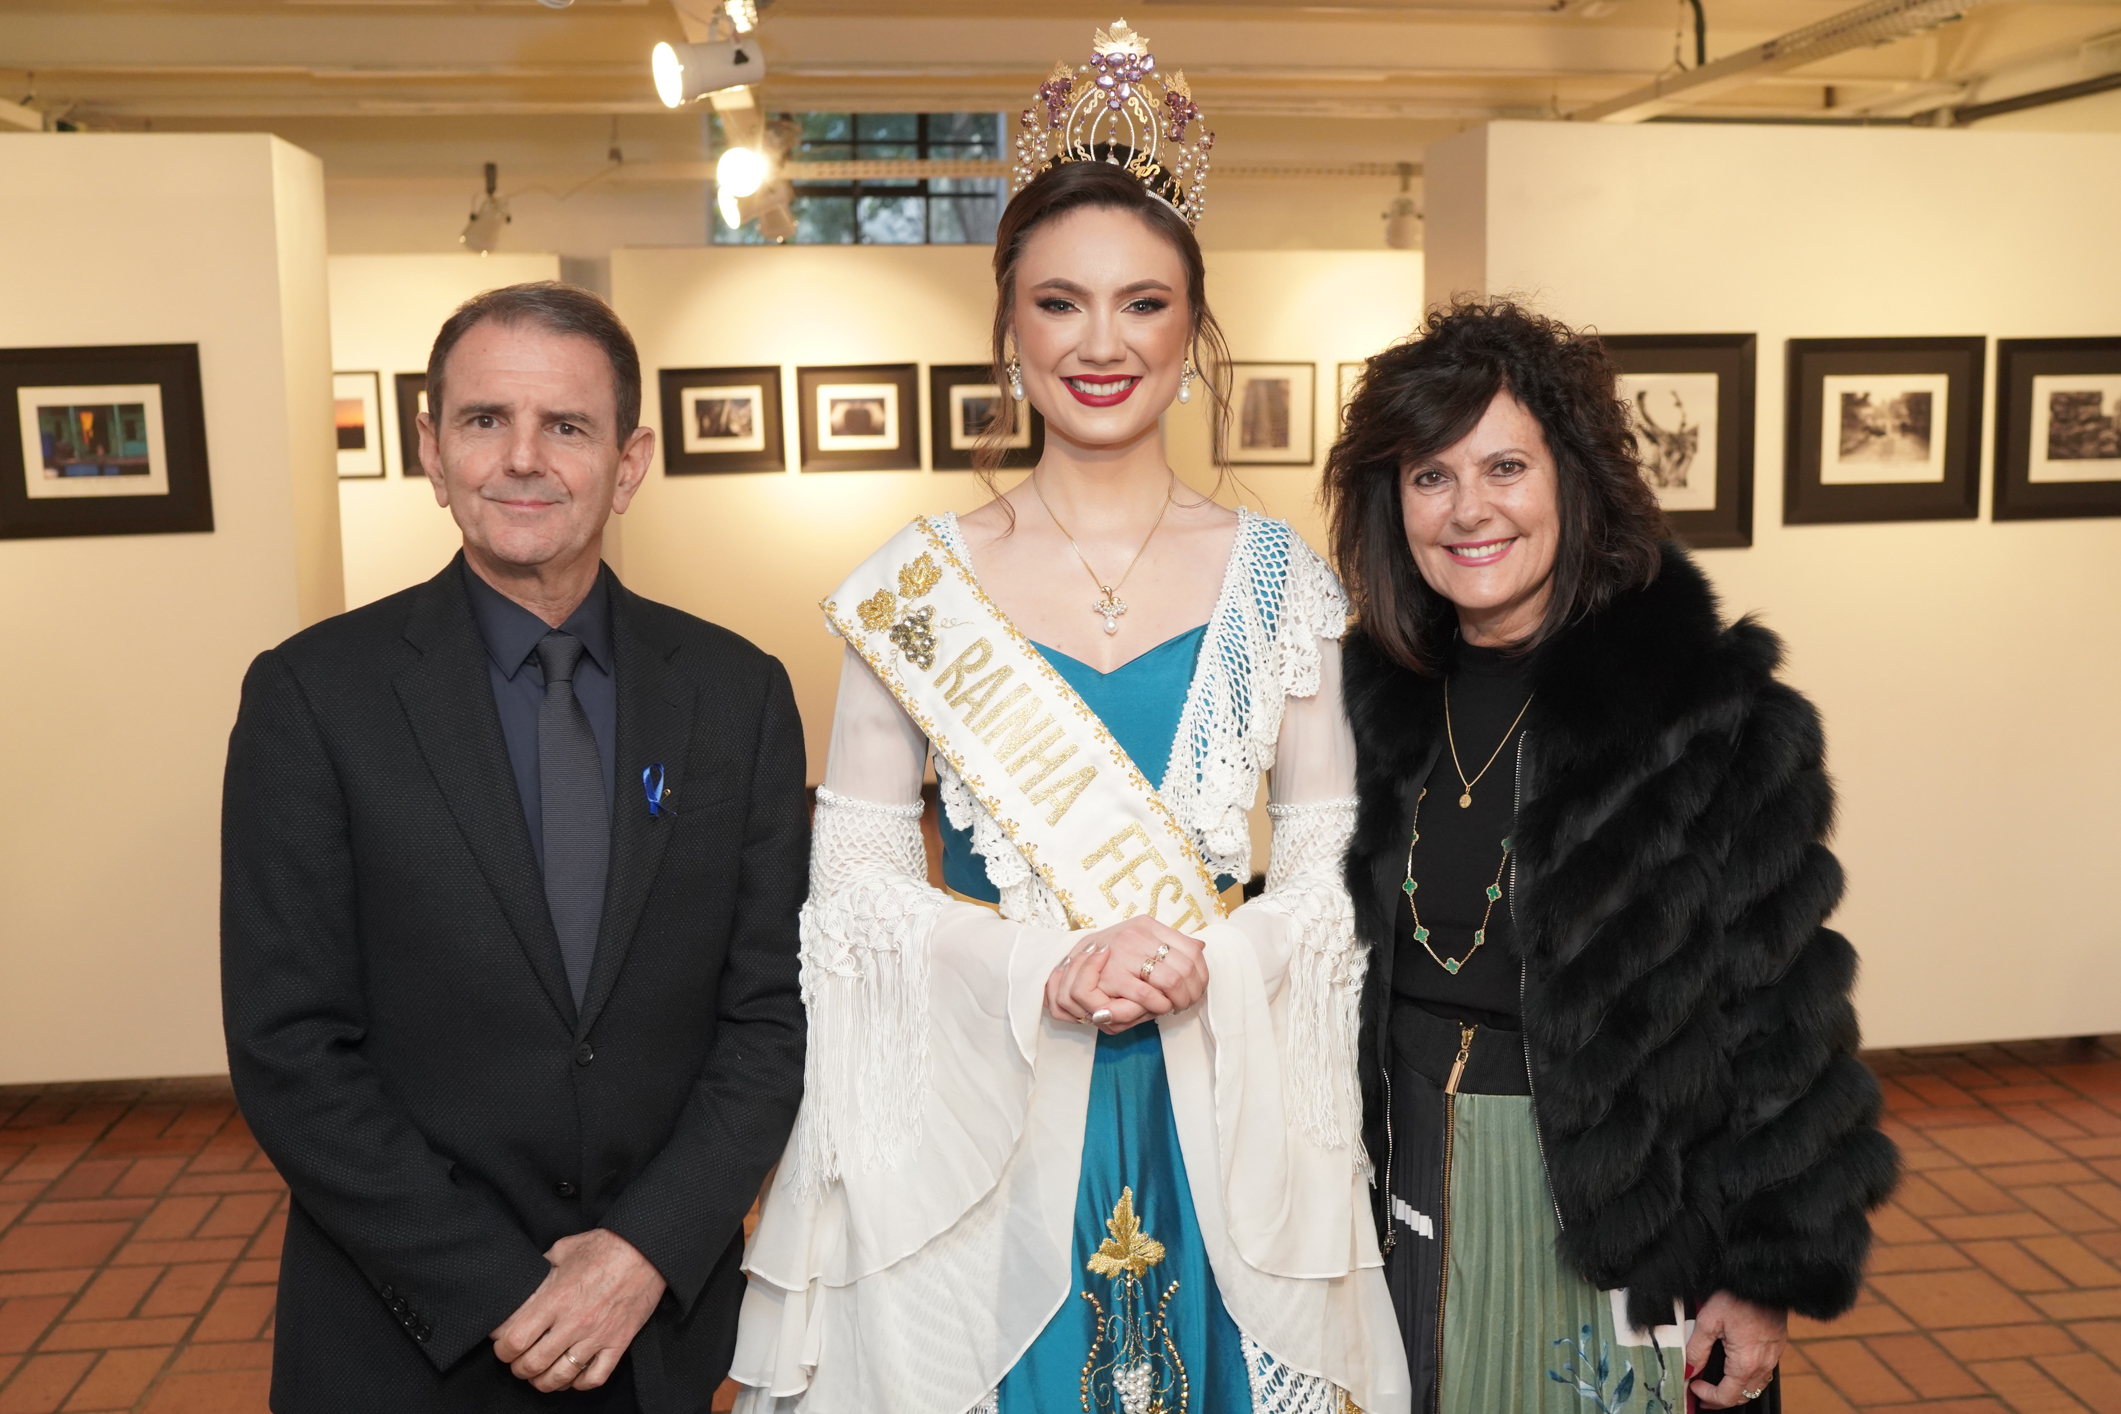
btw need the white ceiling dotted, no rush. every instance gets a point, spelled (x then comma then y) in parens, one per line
(1419, 70)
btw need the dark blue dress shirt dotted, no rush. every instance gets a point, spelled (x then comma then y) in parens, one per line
(512, 633)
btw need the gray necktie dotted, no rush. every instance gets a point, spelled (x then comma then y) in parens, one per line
(577, 822)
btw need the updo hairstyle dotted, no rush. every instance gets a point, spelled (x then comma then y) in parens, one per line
(1073, 186)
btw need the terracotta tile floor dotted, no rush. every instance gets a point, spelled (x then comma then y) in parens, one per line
(1996, 1281)
(140, 1235)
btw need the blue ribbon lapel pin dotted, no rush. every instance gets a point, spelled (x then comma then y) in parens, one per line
(655, 788)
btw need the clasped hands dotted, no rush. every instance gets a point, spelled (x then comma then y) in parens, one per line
(1120, 975)
(576, 1326)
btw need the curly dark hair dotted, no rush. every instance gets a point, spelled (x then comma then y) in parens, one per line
(1425, 393)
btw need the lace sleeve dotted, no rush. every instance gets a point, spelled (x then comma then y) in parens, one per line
(1304, 923)
(865, 942)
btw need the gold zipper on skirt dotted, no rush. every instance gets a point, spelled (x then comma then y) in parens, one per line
(1443, 1217)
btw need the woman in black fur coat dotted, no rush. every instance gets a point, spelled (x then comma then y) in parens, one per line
(1608, 1046)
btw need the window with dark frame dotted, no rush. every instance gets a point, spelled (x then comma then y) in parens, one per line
(885, 211)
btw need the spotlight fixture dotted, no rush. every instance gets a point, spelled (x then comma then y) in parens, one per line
(1403, 216)
(684, 72)
(738, 174)
(740, 171)
(483, 231)
(751, 178)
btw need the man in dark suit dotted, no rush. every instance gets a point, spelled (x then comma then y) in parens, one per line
(511, 868)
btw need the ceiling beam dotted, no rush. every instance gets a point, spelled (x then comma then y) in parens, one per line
(1874, 23)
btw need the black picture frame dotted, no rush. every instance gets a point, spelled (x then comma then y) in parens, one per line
(1810, 498)
(410, 389)
(174, 414)
(770, 453)
(904, 451)
(1732, 358)
(2018, 496)
(943, 381)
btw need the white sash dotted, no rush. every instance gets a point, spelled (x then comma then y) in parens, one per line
(1053, 778)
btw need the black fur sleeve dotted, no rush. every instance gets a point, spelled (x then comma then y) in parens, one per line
(1801, 1158)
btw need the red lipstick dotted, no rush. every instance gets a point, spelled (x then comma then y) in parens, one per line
(1114, 398)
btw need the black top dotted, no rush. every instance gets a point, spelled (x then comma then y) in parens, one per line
(511, 633)
(1461, 849)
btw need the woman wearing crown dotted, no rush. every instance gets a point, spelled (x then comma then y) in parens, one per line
(1077, 1135)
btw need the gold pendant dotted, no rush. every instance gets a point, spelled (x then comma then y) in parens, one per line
(1465, 801)
(1111, 606)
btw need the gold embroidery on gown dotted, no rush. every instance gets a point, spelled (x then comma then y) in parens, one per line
(1134, 1366)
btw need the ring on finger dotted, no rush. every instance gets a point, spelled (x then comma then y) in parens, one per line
(1163, 950)
(1752, 1394)
(568, 1356)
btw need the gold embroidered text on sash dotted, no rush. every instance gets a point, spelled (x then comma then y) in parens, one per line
(1056, 781)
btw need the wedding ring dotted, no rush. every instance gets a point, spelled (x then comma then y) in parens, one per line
(1148, 966)
(568, 1356)
(1752, 1394)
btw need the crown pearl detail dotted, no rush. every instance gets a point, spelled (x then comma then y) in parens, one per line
(1119, 110)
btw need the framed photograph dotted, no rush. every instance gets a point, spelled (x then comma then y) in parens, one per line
(1271, 420)
(103, 441)
(357, 417)
(2058, 428)
(412, 401)
(721, 419)
(1691, 397)
(1347, 378)
(1882, 429)
(963, 402)
(860, 418)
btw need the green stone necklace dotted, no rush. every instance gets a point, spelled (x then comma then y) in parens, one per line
(1421, 934)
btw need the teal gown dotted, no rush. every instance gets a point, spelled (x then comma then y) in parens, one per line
(1156, 1318)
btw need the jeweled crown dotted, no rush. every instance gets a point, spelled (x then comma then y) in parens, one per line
(1117, 109)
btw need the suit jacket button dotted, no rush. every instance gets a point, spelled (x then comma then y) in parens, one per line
(584, 1053)
(565, 1189)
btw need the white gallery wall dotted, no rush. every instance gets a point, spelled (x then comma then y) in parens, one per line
(1969, 672)
(385, 313)
(757, 551)
(126, 653)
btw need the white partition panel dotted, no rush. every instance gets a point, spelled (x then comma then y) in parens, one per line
(125, 653)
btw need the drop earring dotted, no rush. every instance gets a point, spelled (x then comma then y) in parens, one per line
(1185, 382)
(1016, 379)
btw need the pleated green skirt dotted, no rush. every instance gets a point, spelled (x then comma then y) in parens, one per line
(1521, 1332)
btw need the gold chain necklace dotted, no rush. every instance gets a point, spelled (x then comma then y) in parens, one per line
(1465, 801)
(1421, 934)
(1109, 603)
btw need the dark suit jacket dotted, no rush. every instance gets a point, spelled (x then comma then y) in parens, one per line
(400, 1030)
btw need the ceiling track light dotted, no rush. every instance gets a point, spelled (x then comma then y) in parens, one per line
(483, 231)
(685, 73)
(1403, 216)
